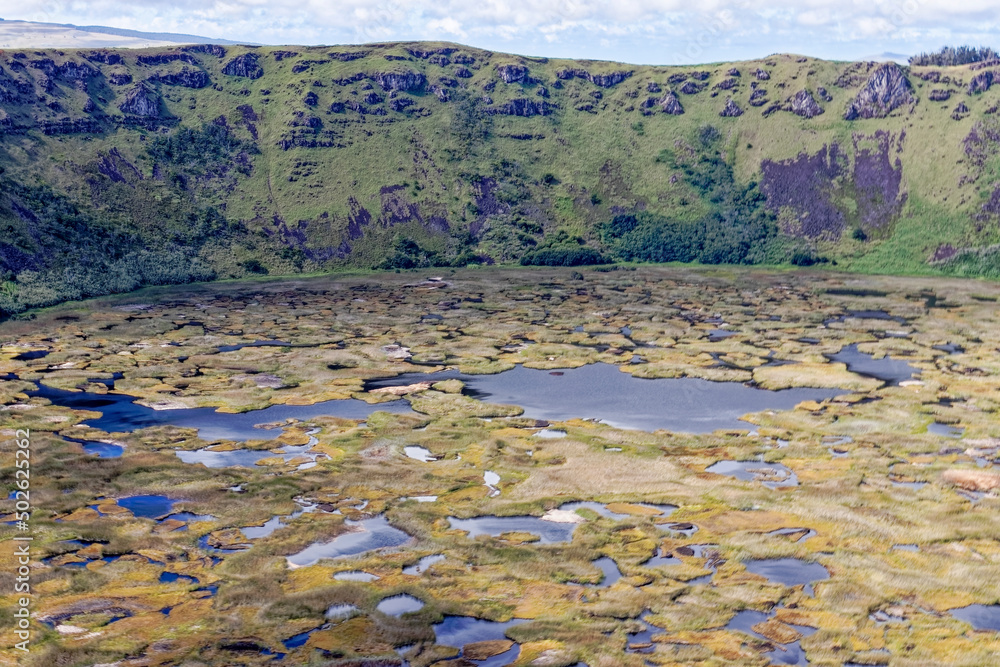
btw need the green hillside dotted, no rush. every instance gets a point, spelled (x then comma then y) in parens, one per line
(130, 167)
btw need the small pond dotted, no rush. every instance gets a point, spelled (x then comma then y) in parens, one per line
(603, 392)
(789, 571)
(421, 566)
(120, 414)
(772, 475)
(892, 371)
(370, 534)
(979, 616)
(397, 605)
(102, 450)
(150, 507)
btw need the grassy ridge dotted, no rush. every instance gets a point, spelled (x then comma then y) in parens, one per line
(337, 157)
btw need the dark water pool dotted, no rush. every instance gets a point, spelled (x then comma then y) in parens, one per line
(979, 616)
(789, 571)
(371, 534)
(886, 369)
(120, 414)
(150, 507)
(603, 392)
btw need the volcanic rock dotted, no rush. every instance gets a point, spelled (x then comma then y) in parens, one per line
(245, 65)
(887, 89)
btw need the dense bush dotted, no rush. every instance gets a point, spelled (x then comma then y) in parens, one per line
(199, 150)
(566, 256)
(950, 56)
(738, 229)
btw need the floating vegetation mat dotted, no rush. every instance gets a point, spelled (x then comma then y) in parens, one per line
(651, 466)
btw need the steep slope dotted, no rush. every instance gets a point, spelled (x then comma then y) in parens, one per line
(167, 165)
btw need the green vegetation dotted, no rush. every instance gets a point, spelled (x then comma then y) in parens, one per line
(949, 56)
(401, 156)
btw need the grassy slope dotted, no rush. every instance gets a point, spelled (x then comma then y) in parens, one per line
(601, 160)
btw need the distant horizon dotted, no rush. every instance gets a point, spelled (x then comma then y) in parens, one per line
(188, 38)
(643, 32)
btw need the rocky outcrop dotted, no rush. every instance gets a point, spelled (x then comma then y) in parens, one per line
(762, 75)
(210, 49)
(402, 81)
(347, 56)
(652, 87)
(960, 111)
(186, 77)
(105, 57)
(119, 78)
(758, 97)
(463, 73)
(691, 88)
(311, 99)
(981, 82)
(733, 72)
(886, 90)
(803, 104)
(400, 103)
(671, 105)
(726, 84)
(281, 55)
(141, 101)
(731, 110)
(246, 65)
(166, 58)
(74, 71)
(523, 107)
(603, 80)
(824, 95)
(938, 95)
(512, 73)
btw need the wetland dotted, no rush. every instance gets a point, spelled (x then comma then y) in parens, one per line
(640, 466)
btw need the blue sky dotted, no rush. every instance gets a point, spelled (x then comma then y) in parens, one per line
(637, 31)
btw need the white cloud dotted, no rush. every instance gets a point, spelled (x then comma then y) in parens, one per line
(636, 30)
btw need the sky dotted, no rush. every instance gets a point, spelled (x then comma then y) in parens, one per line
(635, 31)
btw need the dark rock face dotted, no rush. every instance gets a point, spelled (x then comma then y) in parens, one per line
(441, 93)
(671, 105)
(463, 59)
(463, 73)
(733, 72)
(440, 60)
(120, 78)
(399, 103)
(802, 186)
(701, 76)
(731, 110)
(188, 78)
(726, 84)
(311, 99)
(523, 107)
(141, 101)
(403, 81)
(961, 110)
(981, 82)
(210, 49)
(938, 95)
(166, 58)
(652, 87)
(758, 97)
(762, 75)
(691, 88)
(347, 56)
(74, 71)
(678, 78)
(105, 57)
(281, 55)
(602, 80)
(300, 67)
(372, 98)
(887, 89)
(803, 104)
(246, 65)
(821, 91)
(512, 73)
